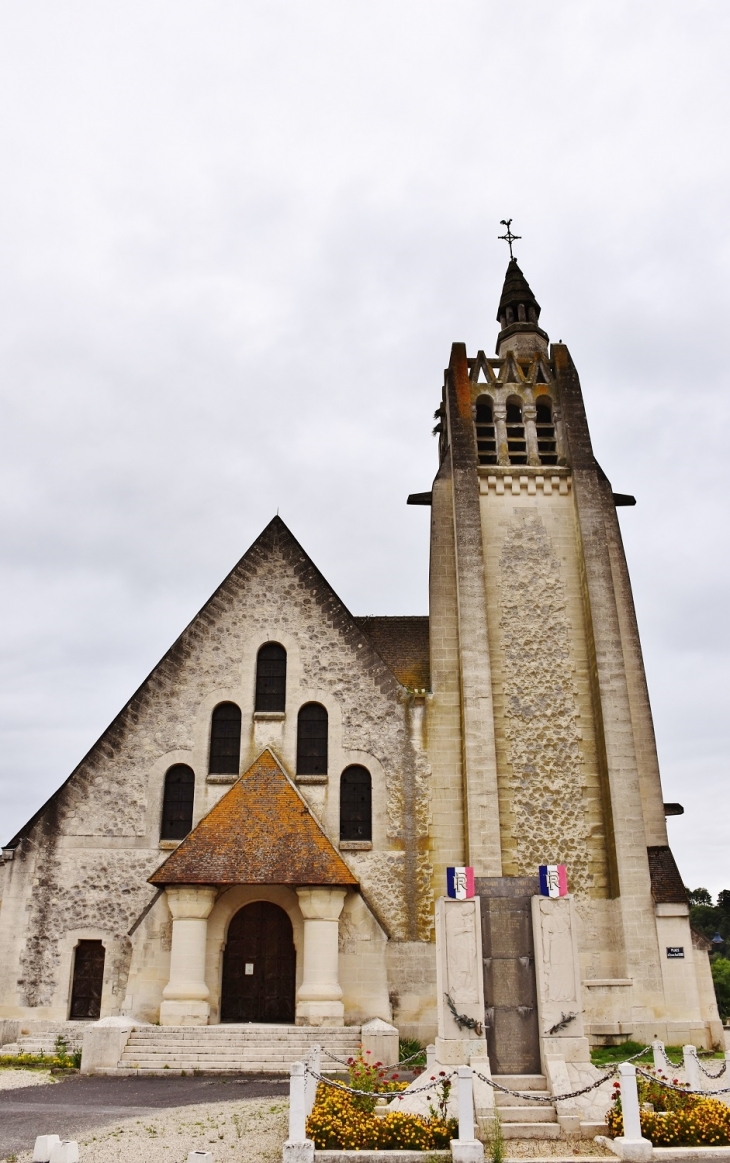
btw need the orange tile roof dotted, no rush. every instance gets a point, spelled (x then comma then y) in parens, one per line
(260, 832)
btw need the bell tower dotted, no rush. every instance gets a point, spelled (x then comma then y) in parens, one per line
(540, 732)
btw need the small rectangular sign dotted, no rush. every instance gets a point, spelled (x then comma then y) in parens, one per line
(248, 971)
(460, 883)
(553, 880)
(675, 951)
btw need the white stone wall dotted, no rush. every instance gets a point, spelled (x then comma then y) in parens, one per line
(82, 870)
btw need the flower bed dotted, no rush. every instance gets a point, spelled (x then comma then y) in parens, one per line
(670, 1118)
(343, 1121)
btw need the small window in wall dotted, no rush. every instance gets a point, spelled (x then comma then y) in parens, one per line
(486, 439)
(312, 740)
(356, 804)
(88, 980)
(271, 678)
(516, 443)
(546, 446)
(177, 805)
(225, 740)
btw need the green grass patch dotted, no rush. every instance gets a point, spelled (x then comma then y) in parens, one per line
(610, 1055)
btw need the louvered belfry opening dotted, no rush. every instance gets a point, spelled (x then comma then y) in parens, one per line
(546, 446)
(356, 808)
(271, 678)
(486, 438)
(225, 740)
(88, 981)
(177, 805)
(516, 442)
(312, 730)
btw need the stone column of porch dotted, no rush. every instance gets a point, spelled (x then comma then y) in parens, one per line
(186, 993)
(319, 997)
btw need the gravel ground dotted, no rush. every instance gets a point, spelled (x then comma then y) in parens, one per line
(14, 1078)
(537, 1149)
(78, 1106)
(243, 1131)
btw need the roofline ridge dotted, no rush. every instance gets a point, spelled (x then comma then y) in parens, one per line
(275, 525)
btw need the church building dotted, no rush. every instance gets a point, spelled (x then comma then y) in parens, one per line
(262, 833)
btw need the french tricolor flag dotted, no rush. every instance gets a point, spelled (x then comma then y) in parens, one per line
(460, 883)
(553, 880)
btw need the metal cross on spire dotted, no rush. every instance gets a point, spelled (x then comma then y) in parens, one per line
(509, 237)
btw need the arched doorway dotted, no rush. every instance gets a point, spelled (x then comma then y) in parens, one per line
(259, 966)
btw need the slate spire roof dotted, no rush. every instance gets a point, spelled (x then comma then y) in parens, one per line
(517, 290)
(260, 832)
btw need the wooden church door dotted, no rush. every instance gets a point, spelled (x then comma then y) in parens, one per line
(88, 981)
(510, 990)
(259, 966)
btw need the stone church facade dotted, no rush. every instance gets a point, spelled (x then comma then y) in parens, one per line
(263, 831)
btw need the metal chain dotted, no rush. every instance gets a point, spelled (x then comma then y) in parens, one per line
(680, 1089)
(377, 1093)
(549, 1097)
(403, 1061)
(635, 1056)
(706, 1073)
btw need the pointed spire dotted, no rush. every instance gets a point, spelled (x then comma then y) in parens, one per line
(517, 316)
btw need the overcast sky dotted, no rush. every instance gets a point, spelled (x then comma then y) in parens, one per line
(237, 241)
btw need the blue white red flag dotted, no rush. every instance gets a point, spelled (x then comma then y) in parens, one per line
(460, 883)
(553, 880)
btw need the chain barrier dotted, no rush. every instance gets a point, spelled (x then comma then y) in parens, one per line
(403, 1061)
(680, 1089)
(434, 1081)
(673, 1066)
(706, 1072)
(548, 1097)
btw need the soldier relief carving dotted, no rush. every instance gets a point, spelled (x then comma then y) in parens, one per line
(461, 953)
(557, 954)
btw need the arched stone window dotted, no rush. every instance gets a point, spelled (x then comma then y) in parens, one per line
(177, 804)
(225, 740)
(271, 678)
(356, 804)
(486, 439)
(516, 443)
(545, 424)
(312, 740)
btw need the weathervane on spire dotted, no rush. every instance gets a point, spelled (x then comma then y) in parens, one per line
(509, 237)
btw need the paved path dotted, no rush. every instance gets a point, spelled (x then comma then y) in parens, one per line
(76, 1104)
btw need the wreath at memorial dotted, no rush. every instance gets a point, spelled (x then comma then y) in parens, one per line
(463, 1021)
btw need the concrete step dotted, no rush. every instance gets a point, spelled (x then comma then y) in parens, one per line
(531, 1130)
(537, 1113)
(228, 1049)
(522, 1081)
(507, 1100)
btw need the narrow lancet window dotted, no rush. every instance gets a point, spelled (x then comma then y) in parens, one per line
(546, 446)
(486, 439)
(356, 804)
(177, 805)
(271, 678)
(516, 443)
(225, 740)
(312, 740)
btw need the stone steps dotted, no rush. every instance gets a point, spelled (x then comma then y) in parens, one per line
(42, 1036)
(252, 1049)
(525, 1120)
